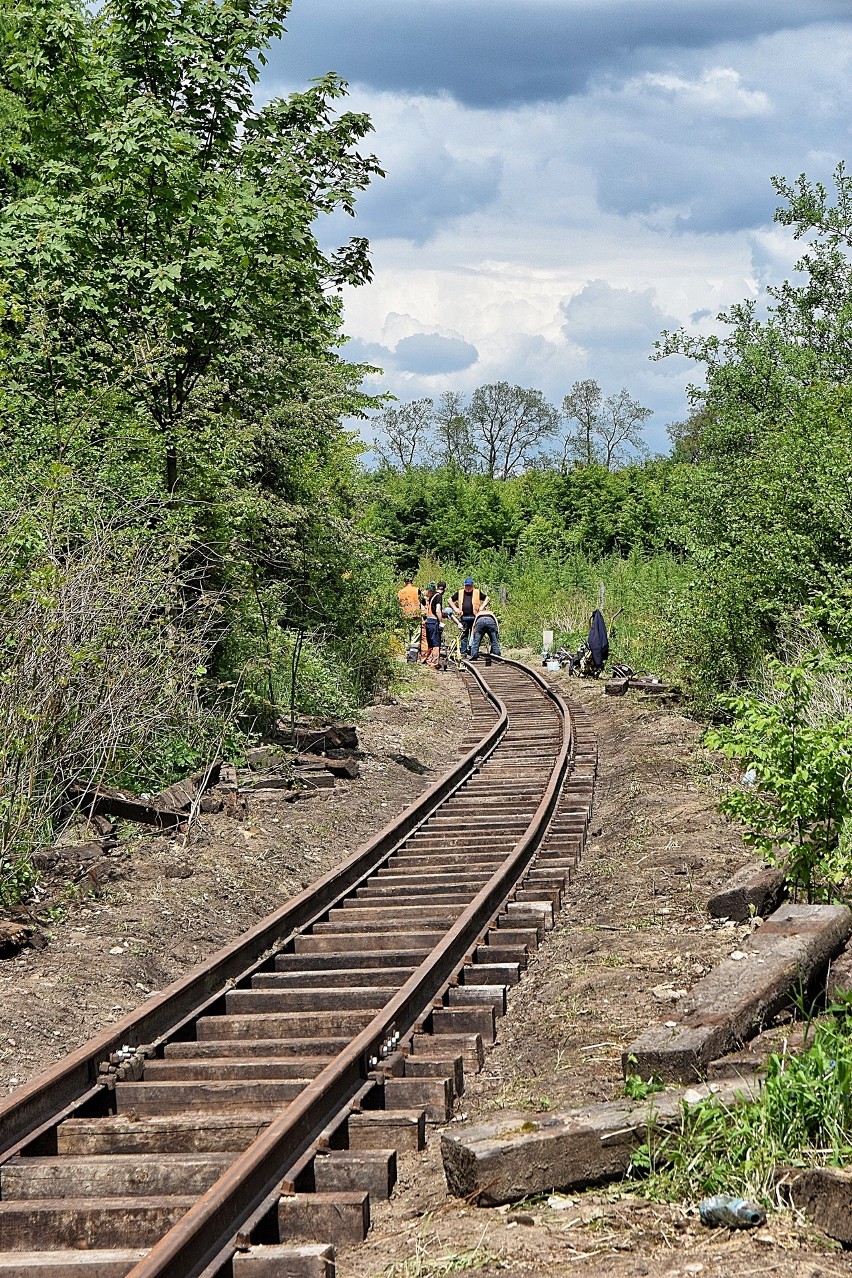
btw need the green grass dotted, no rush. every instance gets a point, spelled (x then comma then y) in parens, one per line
(559, 592)
(802, 1117)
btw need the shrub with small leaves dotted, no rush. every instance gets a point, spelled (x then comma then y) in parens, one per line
(798, 760)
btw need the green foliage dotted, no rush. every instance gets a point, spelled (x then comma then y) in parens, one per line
(178, 498)
(154, 219)
(768, 519)
(802, 1117)
(17, 876)
(587, 510)
(798, 750)
(638, 1088)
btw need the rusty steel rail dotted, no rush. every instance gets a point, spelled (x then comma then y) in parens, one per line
(206, 1231)
(202, 1241)
(41, 1099)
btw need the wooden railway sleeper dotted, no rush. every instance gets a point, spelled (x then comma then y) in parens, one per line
(465, 1016)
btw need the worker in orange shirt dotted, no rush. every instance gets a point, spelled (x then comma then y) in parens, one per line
(409, 600)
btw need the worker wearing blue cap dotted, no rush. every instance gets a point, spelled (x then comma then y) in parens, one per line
(466, 603)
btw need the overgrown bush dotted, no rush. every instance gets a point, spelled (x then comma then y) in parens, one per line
(104, 648)
(793, 735)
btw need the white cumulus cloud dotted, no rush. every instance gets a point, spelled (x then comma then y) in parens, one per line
(719, 91)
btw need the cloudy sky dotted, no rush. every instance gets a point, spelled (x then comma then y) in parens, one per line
(566, 178)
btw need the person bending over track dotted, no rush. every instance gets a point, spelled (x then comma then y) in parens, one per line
(485, 624)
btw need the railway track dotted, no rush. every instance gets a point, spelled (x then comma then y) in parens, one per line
(240, 1122)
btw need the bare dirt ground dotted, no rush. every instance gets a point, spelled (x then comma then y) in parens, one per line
(166, 907)
(633, 932)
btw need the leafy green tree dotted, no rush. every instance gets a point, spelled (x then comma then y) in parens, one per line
(767, 518)
(155, 223)
(686, 437)
(507, 426)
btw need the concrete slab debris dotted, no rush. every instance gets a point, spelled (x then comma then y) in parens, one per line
(522, 1154)
(740, 996)
(756, 889)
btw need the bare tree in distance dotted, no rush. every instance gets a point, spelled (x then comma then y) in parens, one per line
(621, 427)
(582, 405)
(454, 446)
(405, 433)
(507, 426)
(607, 429)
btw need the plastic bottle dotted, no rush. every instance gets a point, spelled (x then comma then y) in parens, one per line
(734, 1213)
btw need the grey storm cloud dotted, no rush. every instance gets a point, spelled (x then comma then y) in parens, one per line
(725, 188)
(431, 353)
(621, 319)
(494, 52)
(424, 191)
(428, 354)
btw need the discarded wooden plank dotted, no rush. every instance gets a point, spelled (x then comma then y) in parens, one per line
(756, 889)
(348, 768)
(13, 937)
(126, 806)
(181, 796)
(347, 736)
(824, 1195)
(741, 995)
(522, 1154)
(315, 780)
(262, 757)
(647, 684)
(309, 763)
(77, 853)
(318, 737)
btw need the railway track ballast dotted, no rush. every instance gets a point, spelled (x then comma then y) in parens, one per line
(241, 1121)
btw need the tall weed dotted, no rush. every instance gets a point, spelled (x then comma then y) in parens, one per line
(802, 1117)
(104, 647)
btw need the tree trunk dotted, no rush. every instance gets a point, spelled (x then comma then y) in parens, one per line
(171, 469)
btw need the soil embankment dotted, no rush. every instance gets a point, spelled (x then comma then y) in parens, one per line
(633, 932)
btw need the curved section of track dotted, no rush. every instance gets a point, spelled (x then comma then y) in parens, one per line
(166, 1141)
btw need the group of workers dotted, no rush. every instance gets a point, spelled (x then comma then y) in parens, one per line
(469, 609)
